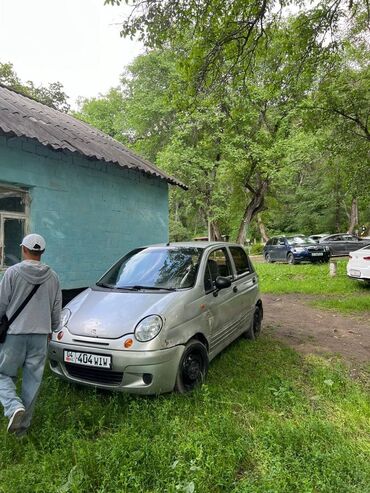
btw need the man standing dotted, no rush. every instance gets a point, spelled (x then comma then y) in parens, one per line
(25, 345)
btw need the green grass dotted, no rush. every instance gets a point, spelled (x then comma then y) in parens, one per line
(339, 292)
(267, 421)
(348, 304)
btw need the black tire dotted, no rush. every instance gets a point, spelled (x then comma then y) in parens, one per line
(255, 329)
(268, 258)
(290, 259)
(193, 367)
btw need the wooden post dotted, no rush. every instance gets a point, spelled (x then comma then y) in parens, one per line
(333, 268)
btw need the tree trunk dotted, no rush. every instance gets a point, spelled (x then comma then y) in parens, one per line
(214, 233)
(353, 219)
(254, 206)
(262, 228)
(338, 205)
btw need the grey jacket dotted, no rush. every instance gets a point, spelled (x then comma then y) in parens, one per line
(42, 313)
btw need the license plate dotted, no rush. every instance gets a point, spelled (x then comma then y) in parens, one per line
(317, 254)
(354, 273)
(88, 359)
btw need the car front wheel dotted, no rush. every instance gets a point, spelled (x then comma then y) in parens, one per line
(290, 259)
(193, 367)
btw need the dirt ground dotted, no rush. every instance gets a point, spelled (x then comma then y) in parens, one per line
(290, 319)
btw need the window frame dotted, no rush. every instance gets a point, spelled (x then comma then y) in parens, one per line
(349, 238)
(229, 262)
(13, 215)
(244, 274)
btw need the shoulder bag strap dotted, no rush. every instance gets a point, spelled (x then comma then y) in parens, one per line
(23, 305)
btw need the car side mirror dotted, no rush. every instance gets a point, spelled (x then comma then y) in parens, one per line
(222, 282)
(281, 243)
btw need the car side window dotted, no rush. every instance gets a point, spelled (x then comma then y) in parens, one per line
(336, 238)
(240, 260)
(217, 265)
(274, 241)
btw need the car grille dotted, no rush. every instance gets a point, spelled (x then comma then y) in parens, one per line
(95, 375)
(316, 249)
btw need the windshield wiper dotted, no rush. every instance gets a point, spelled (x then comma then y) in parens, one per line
(139, 287)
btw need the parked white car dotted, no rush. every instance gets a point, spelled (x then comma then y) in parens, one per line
(358, 266)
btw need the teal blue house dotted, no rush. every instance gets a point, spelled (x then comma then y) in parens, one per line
(89, 196)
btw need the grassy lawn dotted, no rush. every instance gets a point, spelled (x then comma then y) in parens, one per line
(339, 293)
(268, 420)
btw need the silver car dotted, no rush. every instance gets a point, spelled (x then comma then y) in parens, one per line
(157, 318)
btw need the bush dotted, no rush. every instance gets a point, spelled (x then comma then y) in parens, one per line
(256, 249)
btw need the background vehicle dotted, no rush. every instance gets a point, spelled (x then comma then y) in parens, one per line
(294, 249)
(358, 266)
(318, 237)
(343, 243)
(157, 318)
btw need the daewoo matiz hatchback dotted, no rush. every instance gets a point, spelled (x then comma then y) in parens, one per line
(156, 319)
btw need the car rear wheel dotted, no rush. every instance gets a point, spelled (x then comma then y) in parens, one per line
(268, 258)
(255, 329)
(290, 258)
(193, 367)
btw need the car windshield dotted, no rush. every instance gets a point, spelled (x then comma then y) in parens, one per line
(157, 268)
(300, 240)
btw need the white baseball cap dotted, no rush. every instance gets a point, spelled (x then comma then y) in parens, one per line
(34, 242)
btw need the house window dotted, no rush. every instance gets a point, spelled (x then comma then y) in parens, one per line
(13, 220)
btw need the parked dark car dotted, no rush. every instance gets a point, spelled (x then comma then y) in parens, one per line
(343, 243)
(295, 249)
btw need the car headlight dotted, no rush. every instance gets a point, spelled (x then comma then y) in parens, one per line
(299, 249)
(148, 328)
(64, 317)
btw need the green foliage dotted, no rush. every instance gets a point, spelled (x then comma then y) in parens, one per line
(178, 232)
(52, 95)
(256, 249)
(105, 113)
(257, 110)
(226, 35)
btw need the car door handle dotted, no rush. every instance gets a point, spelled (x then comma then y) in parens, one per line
(235, 289)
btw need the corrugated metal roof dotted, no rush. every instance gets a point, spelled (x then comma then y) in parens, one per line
(25, 117)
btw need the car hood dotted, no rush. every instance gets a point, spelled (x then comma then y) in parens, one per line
(111, 315)
(306, 245)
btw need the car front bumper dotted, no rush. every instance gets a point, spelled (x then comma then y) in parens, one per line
(308, 257)
(138, 372)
